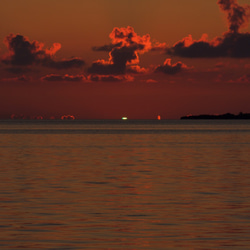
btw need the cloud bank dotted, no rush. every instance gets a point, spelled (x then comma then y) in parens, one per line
(171, 69)
(124, 50)
(231, 44)
(70, 78)
(22, 52)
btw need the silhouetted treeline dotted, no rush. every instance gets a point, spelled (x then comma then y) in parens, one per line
(227, 116)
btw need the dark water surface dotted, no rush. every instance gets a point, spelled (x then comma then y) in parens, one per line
(125, 185)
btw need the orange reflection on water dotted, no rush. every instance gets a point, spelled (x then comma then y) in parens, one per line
(124, 191)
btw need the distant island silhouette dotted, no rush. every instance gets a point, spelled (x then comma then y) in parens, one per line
(227, 116)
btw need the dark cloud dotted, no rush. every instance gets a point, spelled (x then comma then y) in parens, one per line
(22, 52)
(231, 44)
(71, 78)
(117, 64)
(168, 68)
(110, 78)
(237, 16)
(125, 49)
(102, 67)
(106, 48)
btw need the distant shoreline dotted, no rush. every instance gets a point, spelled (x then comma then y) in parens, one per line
(227, 116)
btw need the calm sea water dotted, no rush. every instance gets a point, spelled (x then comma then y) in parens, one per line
(125, 185)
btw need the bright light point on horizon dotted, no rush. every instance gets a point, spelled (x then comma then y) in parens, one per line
(124, 118)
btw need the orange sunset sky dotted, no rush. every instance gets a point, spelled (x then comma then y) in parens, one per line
(104, 59)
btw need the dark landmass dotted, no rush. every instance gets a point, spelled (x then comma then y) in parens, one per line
(227, 116)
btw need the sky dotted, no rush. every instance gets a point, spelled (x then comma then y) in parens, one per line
(105, 59)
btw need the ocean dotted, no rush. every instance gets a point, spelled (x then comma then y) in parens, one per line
(173, 184)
